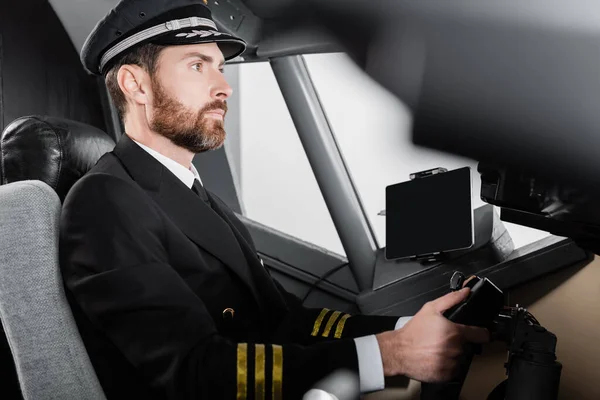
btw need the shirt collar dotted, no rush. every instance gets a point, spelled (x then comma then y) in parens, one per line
(185, 175)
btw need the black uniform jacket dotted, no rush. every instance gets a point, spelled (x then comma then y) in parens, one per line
(172, 301)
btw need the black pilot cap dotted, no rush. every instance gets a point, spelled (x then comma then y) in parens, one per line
(163, 22)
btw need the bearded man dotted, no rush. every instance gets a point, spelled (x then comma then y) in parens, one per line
(170, 297)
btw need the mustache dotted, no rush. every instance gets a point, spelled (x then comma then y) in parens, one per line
(215, 105)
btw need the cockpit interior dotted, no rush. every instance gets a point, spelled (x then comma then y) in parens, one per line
(377, 152)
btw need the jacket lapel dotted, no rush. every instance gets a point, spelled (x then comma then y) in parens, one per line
(196, 219)
(262, 278)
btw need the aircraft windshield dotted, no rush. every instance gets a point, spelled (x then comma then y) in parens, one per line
(371, 128)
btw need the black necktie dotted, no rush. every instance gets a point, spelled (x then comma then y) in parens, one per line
(200, 191)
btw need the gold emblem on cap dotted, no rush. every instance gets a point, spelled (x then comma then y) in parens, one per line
(205, 2)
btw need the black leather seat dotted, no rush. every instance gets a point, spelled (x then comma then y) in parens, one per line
(56, 151)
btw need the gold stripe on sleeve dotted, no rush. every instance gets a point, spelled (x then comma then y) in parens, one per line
(277, 372)
(242, 371)
(340, 326)
(330, 323)
(319, 321)
(259, 372)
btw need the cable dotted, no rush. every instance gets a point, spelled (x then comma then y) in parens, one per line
(321, 279)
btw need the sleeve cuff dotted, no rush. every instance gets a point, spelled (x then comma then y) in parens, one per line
(370, 365)
(401, 322)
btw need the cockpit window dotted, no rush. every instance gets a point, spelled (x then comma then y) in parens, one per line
(372, 129)
(277, 186)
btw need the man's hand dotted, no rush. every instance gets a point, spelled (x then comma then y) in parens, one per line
(429, 346)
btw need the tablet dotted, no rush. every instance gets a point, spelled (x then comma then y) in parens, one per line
(429, 215)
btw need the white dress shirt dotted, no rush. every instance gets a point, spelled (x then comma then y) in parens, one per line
(370, 364)
(186, 176)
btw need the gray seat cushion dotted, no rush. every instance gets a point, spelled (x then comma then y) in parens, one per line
(50, 357)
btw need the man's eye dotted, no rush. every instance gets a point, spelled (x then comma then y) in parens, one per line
(222, 70)
(197, 67)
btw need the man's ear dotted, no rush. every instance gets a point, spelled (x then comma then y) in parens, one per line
(134, 82)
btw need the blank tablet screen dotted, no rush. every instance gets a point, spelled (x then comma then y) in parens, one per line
(429, 215)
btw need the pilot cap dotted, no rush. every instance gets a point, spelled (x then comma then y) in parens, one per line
(163, 22)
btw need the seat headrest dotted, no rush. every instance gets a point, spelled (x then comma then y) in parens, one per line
(53, 150)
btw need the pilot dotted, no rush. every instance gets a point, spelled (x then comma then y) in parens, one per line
(165, 284)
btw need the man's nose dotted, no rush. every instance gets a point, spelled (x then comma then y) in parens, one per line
(221, 89)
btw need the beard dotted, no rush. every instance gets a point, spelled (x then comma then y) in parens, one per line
(192, 130)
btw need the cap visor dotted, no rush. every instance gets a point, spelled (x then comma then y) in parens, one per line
(230, 46)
